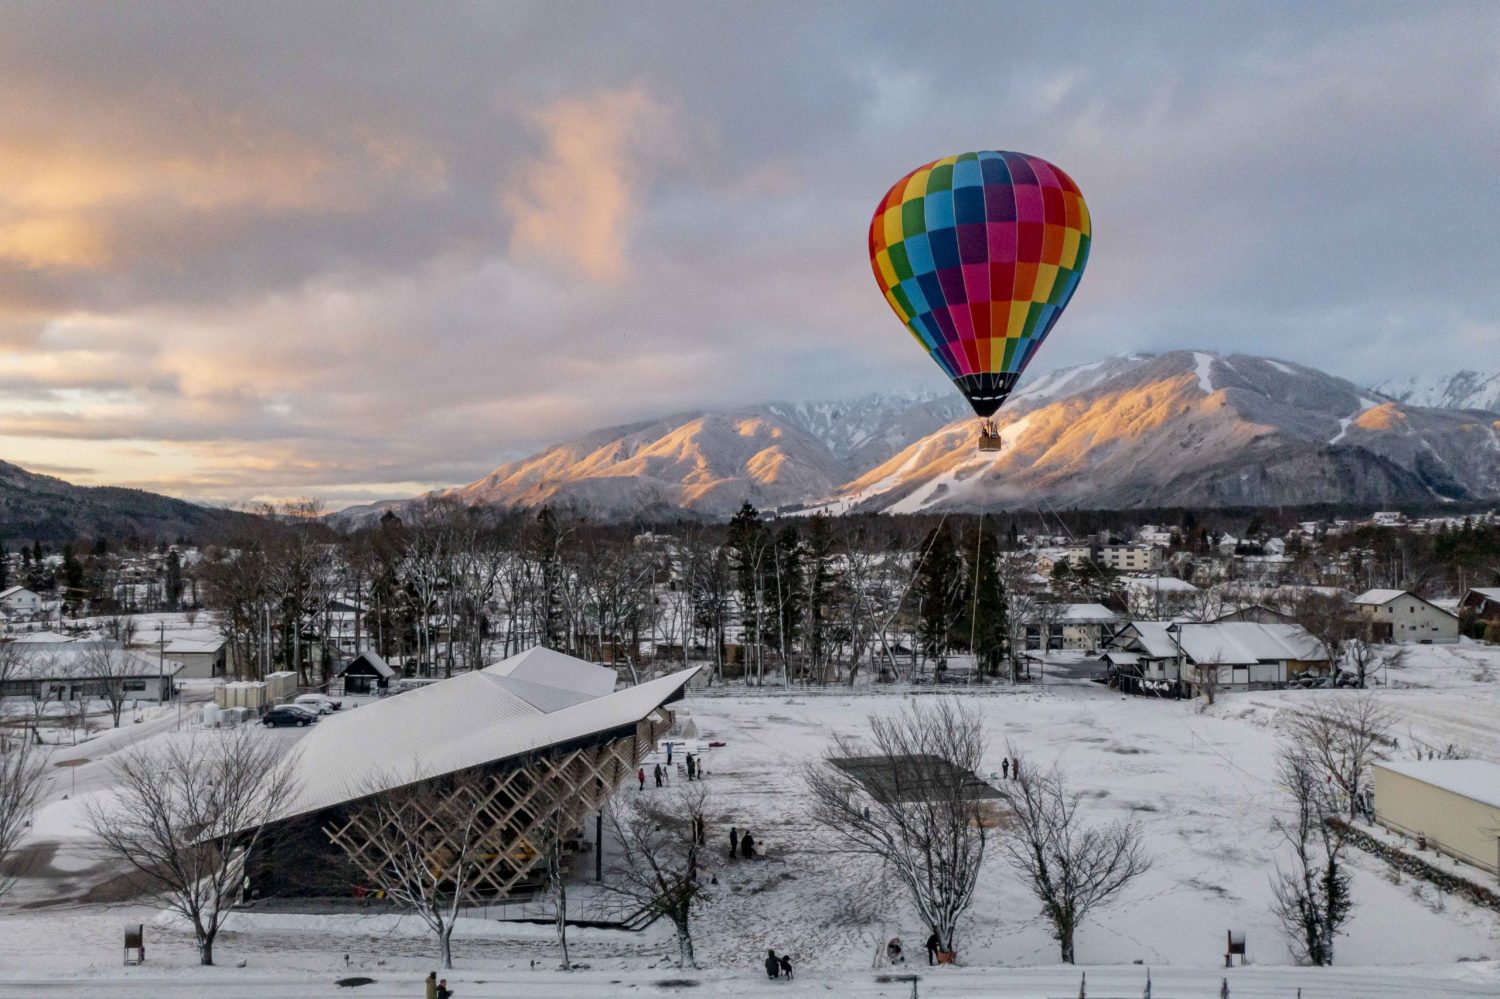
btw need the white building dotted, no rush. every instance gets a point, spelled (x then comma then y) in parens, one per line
(1399, 616)
(202, 656)
(1131, 558)
(1083, 627)
(1244, 655)
(21, 604)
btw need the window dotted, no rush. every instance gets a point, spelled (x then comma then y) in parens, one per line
(135, 685)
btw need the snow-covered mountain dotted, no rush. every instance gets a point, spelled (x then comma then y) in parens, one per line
(1460, 390)
(1192, 428)
(708, 463)
(1183, 428)
(869, 429)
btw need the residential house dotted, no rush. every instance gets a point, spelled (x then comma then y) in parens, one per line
(1399, 616)
(1144, 658)
(1481, 604)
(1243, 655)
(1257, 613)
(1085, 626)
(20, 604)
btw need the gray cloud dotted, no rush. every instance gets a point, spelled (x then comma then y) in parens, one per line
(285, 237)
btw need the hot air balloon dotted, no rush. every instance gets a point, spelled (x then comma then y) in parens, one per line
(978, 255)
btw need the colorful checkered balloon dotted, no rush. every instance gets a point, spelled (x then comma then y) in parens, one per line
(979, 255)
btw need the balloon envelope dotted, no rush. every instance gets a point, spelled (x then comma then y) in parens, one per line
(978, 255)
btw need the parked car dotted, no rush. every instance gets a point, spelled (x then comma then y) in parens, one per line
(320, 703)
(288, 714)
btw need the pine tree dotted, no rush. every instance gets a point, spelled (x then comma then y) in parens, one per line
(985, 621)
(748, 542)
(939, 592)
(820, 586)
(173, 581)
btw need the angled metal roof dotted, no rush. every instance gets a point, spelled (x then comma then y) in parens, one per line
(468, 720)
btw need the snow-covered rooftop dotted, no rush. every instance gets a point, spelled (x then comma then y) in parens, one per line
(1086, 614)
(517, 706)
(1378, 597)
(1476, 779)
(1154, 639)
(1231, 643)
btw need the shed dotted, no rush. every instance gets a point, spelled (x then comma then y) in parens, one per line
(1453, 804)
(367, 673)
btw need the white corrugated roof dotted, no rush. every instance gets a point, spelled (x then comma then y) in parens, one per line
(1241, 643)
(1086, 614)
(545, 666)
(1378, 597)
(464, 721)
(1476, 779)
(1153, 637)
(191, 646)
(373, 658)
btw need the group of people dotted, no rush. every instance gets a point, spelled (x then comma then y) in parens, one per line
(778, 967)
(663, 774)
(1011, 769)
(741, 846)
(438, 988)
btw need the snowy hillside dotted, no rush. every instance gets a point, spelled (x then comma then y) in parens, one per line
(1181, 428)
(1460, 390)
(1191, 428)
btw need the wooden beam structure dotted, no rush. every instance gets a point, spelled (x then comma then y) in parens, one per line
(521, 800)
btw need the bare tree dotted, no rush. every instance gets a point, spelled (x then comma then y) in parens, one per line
(1343, 738)
(121, 628)
(109, 672)
(554, 832)
(422, 844)
(186, 814)
(908, 798)
(1312, 898)
(1208, 681)
(1328, 618)
(657, 870)
(1366, 656)
(21, 768)
(1070, 867)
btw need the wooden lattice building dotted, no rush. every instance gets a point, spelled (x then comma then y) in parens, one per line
(537, 743)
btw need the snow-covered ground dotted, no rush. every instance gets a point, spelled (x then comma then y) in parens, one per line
(1198, 781)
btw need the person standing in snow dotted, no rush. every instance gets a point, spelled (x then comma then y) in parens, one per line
(641, 775)
(432, 985)
(690, 766)
(747, 846)
(932, 948)
(443, 991)
(657, 771)
(1015, 768)
(1005, 769)
(773, 965)
(734, 842)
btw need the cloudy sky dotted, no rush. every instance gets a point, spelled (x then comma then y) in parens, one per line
(353, 251)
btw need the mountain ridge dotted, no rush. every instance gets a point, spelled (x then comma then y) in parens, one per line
(1179, 428)
(37, 507)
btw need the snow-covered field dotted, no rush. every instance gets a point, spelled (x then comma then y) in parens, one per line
(1199, 782)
